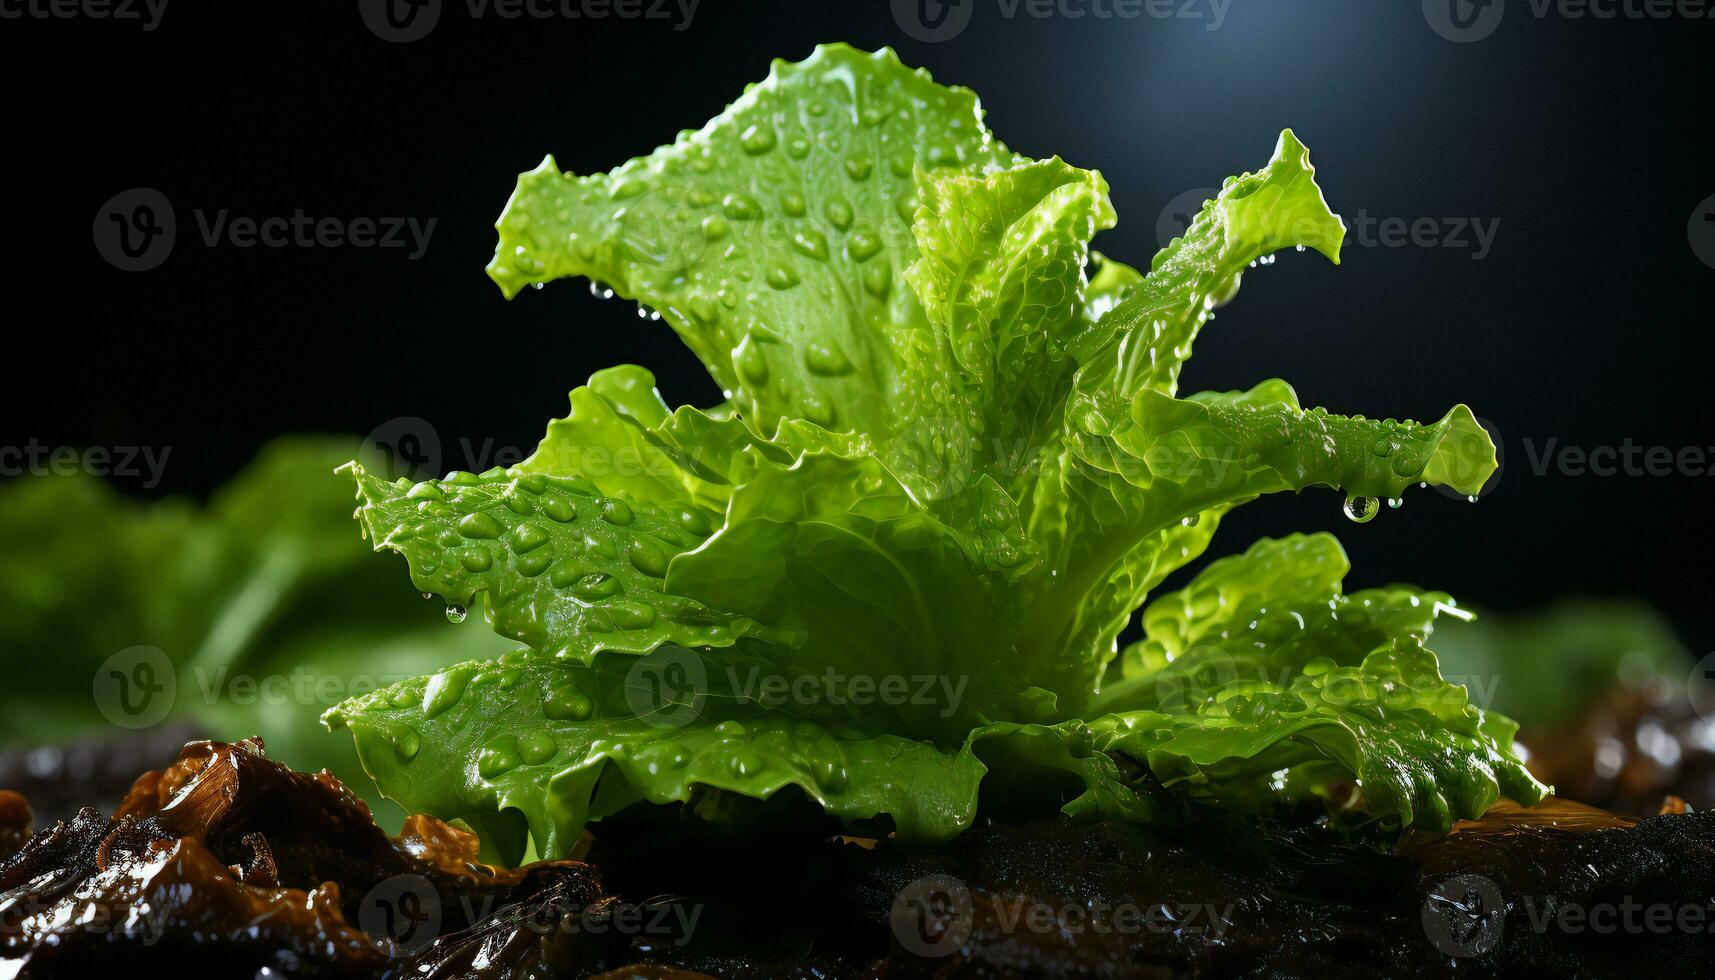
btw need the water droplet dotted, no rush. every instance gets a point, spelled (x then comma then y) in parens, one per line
(1396, 502)
(596, 585)
(839, 214)
(536, 747)
(810, 242)
(567, 703)
(559, 508)
(782, 277)
(444, 689)
(1190, 521)
(499, 756)
(406, 744)
(861, 245)
(752, 363)
(526, 538)
(757, 139)
(739, 207)
(826, 359)
(877, 279)
(617, 512)
(456, 614)
(648, 558)
(480, 526)
(1361, 509)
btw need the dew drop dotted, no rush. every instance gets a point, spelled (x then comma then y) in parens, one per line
(456, 613)
(757, 140)
(1361, 509)
(1396, 502)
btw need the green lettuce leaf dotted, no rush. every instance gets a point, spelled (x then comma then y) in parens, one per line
(263, 611)
(1262, 679)
(563, 567)
(775, 239)
(952, 447)
(564, 745)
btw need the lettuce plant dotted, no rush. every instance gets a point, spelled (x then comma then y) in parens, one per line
(951, 463)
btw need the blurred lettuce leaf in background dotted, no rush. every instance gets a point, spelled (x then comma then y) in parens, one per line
(264, 600)
(1542, 668)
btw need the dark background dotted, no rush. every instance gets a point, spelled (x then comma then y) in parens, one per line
(1587, 322)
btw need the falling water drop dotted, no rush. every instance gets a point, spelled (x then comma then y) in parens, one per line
(1396, 502)
(1361, 509)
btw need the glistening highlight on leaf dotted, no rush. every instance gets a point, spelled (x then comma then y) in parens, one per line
(953, 447)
